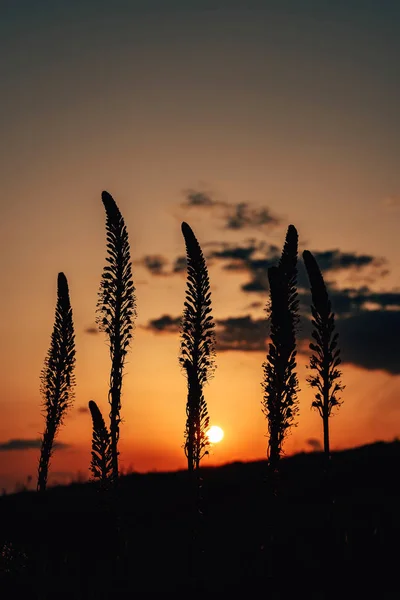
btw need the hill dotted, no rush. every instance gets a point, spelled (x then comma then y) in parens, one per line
(320, 536)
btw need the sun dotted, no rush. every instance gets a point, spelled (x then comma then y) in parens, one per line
(215, 434)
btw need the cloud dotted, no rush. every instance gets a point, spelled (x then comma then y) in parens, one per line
(154, 263)
(335, 260)
(202, 199)
(82, 410)
(370, 340)
(180, 264)
(314, 444)
(241, 215)
(28, 444)
(92, 330)
(166, 324)
(159, 266)
(235, 216)
(241, 333)
(329, 261)
(351, 301)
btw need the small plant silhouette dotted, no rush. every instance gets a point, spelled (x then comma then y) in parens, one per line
(101, 464)
(57, 377)
(197, 349)
(326, 354)
(116, 309)
(280, 404)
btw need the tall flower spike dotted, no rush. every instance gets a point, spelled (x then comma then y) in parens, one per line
(57, 377)
(116, 311)
(101, 464)
(197, 348)
(280, 404)
(326, 354)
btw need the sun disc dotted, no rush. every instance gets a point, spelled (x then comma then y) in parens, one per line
(215, 434)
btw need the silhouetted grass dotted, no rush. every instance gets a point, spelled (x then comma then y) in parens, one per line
(197, 359)
(57, 377)
(101, 463)
(116, 308)
(280, 384)
(326, 354)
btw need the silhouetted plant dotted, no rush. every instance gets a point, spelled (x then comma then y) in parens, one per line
(197, 349)
(280, 404)
(197, 358)
(326, 354)
(101, 464)
(57, 377)
(117, 309)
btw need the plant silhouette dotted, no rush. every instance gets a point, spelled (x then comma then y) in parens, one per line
(101, 463)
(197, 349)
(326, 354)
(116, 309)
(280, 383)
(57, 377)
(197, 358)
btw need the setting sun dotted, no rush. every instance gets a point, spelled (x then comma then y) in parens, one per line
(215, 434)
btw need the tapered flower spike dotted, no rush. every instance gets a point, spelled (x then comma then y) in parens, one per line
(325, 358)
(57, 377)
(280, 404)
(116, 312)
(101, 464)
(197, 348)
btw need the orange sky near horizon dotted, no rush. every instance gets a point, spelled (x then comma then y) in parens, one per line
(294, 111)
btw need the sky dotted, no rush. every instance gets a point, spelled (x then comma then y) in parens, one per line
(240, 118)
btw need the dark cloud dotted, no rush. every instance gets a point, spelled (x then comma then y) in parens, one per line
(256, 305)
(335, 260)
(27, 444)
(82, 410)
(242, 216)
(235, 216)
(180, 265)
(233, 333)
(196, 198)
(329, 262)
(314, 444)
(351, 301)
(370, 340)
(154, 263)
(241, 333)
(92, 330)
(166, 323)
(159, 266)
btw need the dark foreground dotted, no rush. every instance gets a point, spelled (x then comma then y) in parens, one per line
(66, 545)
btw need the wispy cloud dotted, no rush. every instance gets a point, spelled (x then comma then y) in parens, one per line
(166, 324)
(241, 216)
(199, 199)
(92, 330)
(155, 263)
(27, 444)
(235, 216)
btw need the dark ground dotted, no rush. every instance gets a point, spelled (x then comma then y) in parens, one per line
(64, 545)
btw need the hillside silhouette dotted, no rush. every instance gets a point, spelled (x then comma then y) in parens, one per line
(61, 544)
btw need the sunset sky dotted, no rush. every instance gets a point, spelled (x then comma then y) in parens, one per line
(239, 118)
